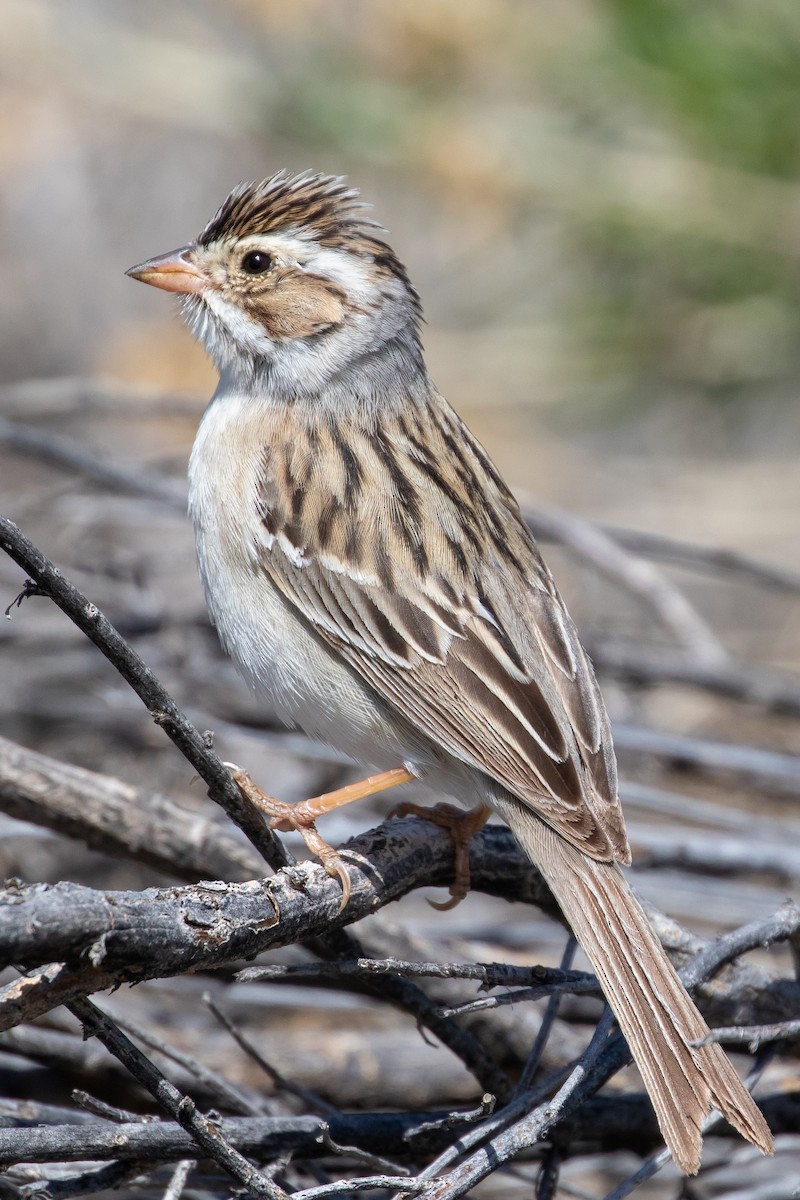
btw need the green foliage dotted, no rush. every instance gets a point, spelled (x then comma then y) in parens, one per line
(654, 143)
(727, 72)
(698, 291)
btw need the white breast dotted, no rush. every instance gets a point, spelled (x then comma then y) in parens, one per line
(304, 682)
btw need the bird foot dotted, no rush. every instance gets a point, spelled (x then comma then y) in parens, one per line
(286, 817)
(302, 817)
(461, 825)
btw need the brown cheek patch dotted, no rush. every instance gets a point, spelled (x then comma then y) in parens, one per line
(299, 306)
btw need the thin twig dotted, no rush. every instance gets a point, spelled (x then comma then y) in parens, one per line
(753, 1035)
(547, 1179)
(178, 1179)
(223, 1092)
(163, 709)
(108, 1112)
(537, 1049)
(650, 1167)
(310, 1098)
(487, 974)
(514, 1136)
(780, 926)
(637, 576)
(378, 1162)
(207, 1136)
(411, 1187)
(554, 991)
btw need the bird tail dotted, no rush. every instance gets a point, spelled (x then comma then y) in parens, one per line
(651, 1005)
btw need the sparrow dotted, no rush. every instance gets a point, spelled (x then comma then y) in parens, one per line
(369, 570)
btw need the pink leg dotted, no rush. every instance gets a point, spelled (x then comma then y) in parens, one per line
(302, 816)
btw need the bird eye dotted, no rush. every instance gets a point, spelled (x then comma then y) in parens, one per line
(256, 262)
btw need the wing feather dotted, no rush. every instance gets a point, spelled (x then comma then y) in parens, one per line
(468, 638)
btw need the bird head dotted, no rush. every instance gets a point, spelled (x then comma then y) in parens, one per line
(289, 281)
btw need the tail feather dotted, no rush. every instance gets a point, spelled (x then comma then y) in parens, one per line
(653, 1009)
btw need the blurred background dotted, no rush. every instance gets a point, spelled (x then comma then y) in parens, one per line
(599, 201)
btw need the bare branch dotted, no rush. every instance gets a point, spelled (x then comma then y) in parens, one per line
(753, 1035)
(205, 1134)
(604, 1122)
(157, 700)
(635, 575)
(651, 665)
(162, 932)
(117, 818)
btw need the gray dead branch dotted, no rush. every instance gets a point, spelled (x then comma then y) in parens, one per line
(282, 1080)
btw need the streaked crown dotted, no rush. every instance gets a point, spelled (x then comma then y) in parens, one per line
(290, 283)
(322, 206)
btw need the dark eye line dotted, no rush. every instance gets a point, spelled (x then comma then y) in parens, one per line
(256, 262)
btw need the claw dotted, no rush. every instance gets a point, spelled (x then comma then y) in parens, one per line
(286, 817)
(456, 896)
(301, 817)
(344, 877)
(461, 826)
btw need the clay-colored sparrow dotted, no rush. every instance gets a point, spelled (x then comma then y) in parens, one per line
(368, 569)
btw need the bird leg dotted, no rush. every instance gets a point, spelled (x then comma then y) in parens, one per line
(302, 816)
(462, 826)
